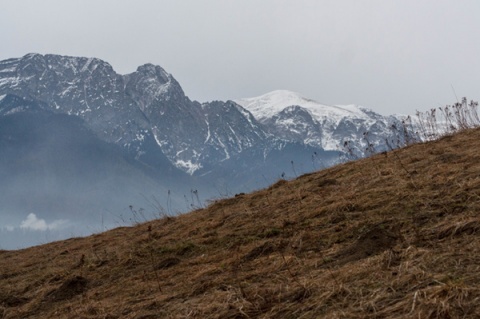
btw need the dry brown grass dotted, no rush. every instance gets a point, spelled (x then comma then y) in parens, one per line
(392, 236)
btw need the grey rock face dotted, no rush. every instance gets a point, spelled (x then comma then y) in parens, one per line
(88, 88)
(129, 109)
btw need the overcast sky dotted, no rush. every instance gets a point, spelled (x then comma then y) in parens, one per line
(390, 56)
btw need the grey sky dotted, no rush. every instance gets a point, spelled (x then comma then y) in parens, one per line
(392, 56)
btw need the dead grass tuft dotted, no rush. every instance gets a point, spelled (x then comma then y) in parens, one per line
(68, 289)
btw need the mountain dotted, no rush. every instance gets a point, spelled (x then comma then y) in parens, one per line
(150, 103)
(292, 117)
(394, 235)
(118, 136)
(128, 109)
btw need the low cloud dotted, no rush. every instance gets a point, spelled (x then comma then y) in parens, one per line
(32, 222)
(8, 228)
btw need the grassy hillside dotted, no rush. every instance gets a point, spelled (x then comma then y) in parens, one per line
(392, 236)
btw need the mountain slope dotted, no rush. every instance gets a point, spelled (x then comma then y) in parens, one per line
(390, 236)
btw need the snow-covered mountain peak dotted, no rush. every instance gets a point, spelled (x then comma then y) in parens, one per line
(292, 117)
(270, 104)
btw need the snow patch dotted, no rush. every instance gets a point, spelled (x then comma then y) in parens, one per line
(87, 64)
(208, 132)
(187, 166)
(7, 70)
(12, 81)
(15, 110)
(140, 137)
(159, 142)
(227, 155)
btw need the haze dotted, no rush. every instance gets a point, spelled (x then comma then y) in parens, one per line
(390, 56)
